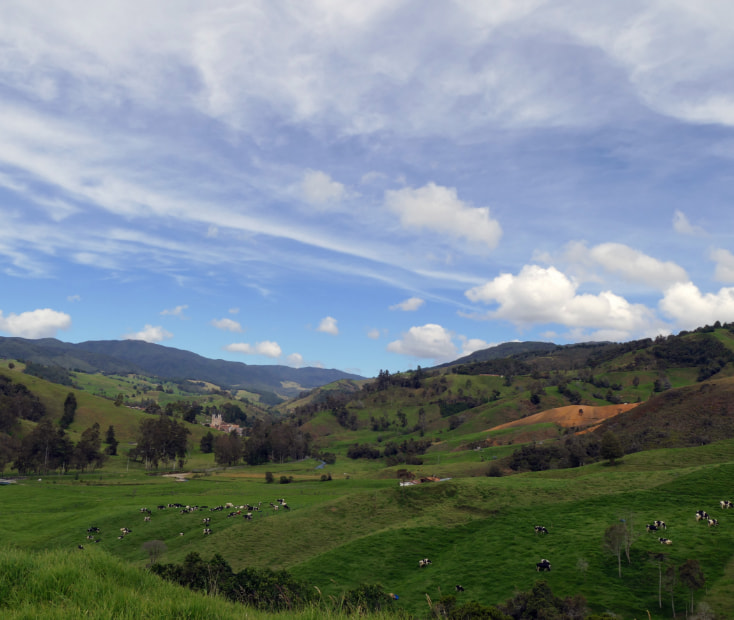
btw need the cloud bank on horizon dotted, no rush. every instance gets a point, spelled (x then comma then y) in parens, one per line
(364, 185)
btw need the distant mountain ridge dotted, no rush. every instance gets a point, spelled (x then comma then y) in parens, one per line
(136, 356)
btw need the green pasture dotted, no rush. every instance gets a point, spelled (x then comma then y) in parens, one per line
(362, 527)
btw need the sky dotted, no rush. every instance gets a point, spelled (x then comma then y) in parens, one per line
(365, 185)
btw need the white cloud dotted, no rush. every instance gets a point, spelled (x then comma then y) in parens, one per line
(41, 323)
(177, 311)
(724, 271)
(320, 190)
(328, 326)
(635, 266)
(267, 348)
(409, 305)
(234, 310)
(682, 226)
(539, 295)
(227, 325)
(150, 333)
(439, 209)
(374, 334)
(469, 345)
(690, 308)
(295, 360)
(428, 341)
(74, 298)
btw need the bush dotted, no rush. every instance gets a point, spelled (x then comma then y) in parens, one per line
(269, 477)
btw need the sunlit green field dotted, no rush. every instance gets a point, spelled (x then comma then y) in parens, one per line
(362, 527)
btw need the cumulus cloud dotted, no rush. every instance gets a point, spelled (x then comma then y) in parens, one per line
(227, 325)
(429, 341)
(41, 323)
(177, 311)
(540, 295)
(320, 190)
(635, 266)
(328, 326)
(470, 345)
(150, 333)
(724, 271)
(690, 308)
(684, 227)
(268, 348)
(439, 209)
(295, 360)
(409, 305)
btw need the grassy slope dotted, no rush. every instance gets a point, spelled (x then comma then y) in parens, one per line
(478, 531)
(62, 585)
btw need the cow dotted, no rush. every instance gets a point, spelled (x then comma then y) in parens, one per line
(543, 565)
(665, 541)
(651, 527)
(701, 514)
(725, 503)
(80, 547)
(146, 519)
(713, 522)
(248, 516)
(660, 524)
(459, 588)
(541, 529)
(424, 562)
(207, 531)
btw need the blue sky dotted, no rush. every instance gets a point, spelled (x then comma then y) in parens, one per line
(364, 185)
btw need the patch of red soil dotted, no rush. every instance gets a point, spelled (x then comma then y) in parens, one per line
(583, 417)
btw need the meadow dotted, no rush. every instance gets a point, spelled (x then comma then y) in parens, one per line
(362, 527)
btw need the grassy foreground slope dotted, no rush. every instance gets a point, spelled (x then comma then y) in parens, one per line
(58, 585)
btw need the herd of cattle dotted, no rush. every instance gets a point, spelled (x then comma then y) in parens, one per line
(545, 565)
(245, 511)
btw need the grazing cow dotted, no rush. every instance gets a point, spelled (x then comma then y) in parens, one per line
(206, 520)
(146, 519)
(80, 546)
(207, 531)
(459, 588)
(665, 541)
(725, 503)
(701, 514)
(248, 516)
(651, 527)
(93, 530)
(713, 522)
(541, 529)
(424, 562)
(660, 524)
(543, 565)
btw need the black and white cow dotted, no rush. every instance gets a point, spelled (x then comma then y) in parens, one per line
(665, 541)
(660, 524)
(651, 527)
(725, 503)
(459, 588)
(543, 565)
(701, 514)
(541, 529)
(713, 522)
(424, 562)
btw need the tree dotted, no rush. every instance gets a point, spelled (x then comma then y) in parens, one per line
(154, 549)
(206, 445)
(691, 576)
(611, 447)
(161, 439)
(119, 399)
(615, 537)
(228, 449)
(86, 452)
(69, 411)
(111, 441)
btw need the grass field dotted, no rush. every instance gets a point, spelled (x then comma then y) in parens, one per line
(361, 527)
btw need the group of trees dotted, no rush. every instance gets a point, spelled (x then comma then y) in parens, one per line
(265, 589)
(48, 448)
(161, 440)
